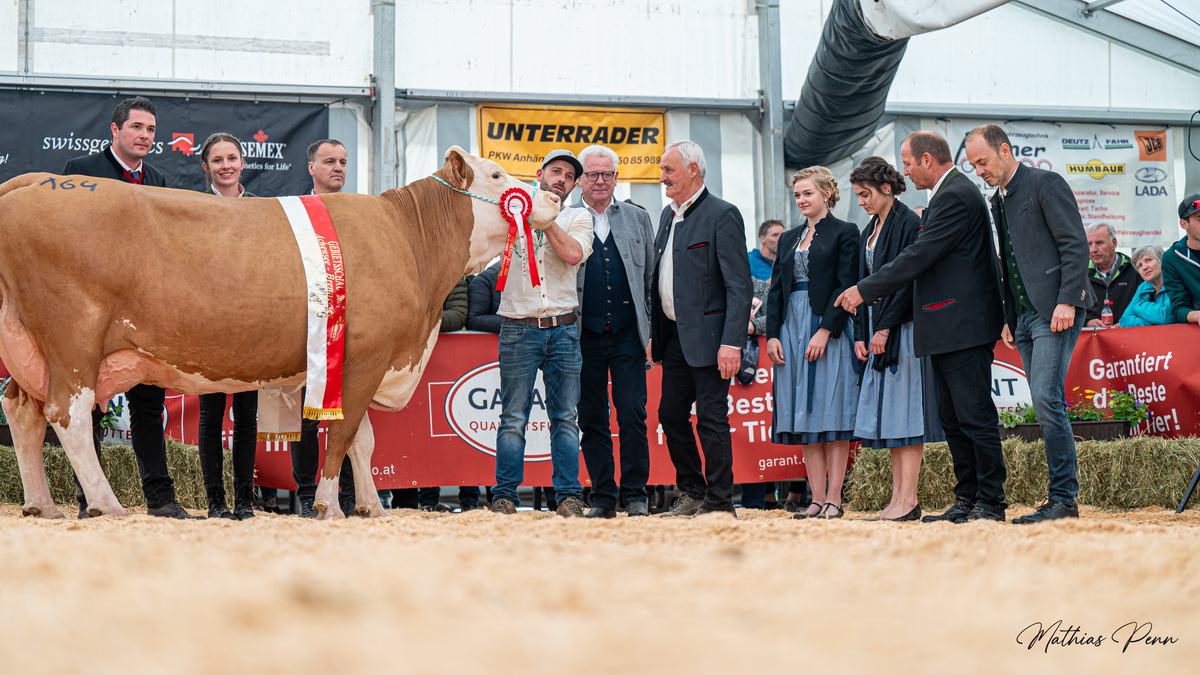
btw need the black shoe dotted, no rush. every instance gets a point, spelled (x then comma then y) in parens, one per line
(955, 514)
(220, 511)
(243, 502)
(635, 509)
(347, 506)
(597, 512)
(306, 508)
(685, 507)
(911, 516)
(1050, 509)
(83, 512)
(172, 510)
(709, 508)
(985, 512)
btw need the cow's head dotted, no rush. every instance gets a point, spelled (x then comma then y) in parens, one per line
(486, 179)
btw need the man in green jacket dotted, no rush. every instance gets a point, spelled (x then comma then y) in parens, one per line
(1181, 265)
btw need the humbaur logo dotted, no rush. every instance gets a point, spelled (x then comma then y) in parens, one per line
(1010, 387)
(473, 408)
(1097, 169)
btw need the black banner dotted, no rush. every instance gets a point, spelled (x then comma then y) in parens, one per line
(42, 130)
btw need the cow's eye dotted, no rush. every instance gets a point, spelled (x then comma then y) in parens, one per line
(496, 175)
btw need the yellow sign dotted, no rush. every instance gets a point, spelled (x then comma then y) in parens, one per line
(1097, 169)
(519, 137)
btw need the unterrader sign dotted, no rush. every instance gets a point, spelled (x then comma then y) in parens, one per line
(518, 138)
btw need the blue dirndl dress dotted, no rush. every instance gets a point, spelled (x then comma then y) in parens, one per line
(815, 402)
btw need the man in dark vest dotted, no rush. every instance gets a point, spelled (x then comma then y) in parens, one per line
(616, 328)
(133, 125)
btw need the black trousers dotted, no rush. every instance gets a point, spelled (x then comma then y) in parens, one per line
(621, 355)
(969, 418)
(683, 385)
(306, 456)
(145, 403)
(245, 439)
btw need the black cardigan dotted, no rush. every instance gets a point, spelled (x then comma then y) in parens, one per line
(832, 268)
(899, 230)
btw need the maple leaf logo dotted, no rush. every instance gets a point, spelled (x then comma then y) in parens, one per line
(261, 136)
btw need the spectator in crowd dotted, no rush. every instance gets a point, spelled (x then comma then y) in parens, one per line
(540, 332)
(957, 317)
(1151, 305)
(1043, 256)
(133, 124)
(612, 284)
(763, 257)
(327, 166)
(700, 303)
(454, 318)
(897, 407)
(1111, 273)
(221, 160)
(811, 341)
(1181, 265)
(483, 301)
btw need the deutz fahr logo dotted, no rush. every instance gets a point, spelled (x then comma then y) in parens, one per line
(1097, 169)
(473, 408)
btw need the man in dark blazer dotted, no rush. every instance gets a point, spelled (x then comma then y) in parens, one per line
(1044, 263)
(612, 285)
(133, 124)
(957, 317)
(700, 306)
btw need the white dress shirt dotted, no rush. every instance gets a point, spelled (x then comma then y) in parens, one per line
(600, 218)
(937, 186)
(666, 267)
(557, 295)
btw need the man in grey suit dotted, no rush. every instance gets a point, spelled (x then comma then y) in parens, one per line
(1044, 264)
(612, 287)
(700, 305)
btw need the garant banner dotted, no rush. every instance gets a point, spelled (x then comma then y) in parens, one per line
(519, 137)
(44, 129)
(1152, 361)
(1122, 175)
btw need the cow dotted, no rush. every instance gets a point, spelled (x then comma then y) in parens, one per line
(104, 285)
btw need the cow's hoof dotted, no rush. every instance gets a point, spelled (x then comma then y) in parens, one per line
(50, 513)
(114, 511)
(325, 512)
(367, 512)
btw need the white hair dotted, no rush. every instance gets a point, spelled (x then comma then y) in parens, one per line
(601, 151)
(1112, 232)
(1143, 251)
(690, 151)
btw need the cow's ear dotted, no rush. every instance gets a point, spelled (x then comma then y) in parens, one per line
(460, 171)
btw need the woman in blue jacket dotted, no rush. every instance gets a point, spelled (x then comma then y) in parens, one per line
(1150, 305)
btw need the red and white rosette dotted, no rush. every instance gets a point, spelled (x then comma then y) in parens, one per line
(516, 205)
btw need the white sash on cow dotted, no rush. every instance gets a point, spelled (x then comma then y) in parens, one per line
(321, 257)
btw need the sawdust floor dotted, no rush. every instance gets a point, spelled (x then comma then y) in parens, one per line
(534, 593)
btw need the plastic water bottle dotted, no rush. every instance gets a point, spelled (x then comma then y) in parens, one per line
(1106, 314)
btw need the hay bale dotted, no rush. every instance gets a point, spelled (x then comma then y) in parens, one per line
(1128, 473)
(120, 466)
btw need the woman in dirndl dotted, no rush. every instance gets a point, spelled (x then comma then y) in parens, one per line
(811, 342)
(897, 408)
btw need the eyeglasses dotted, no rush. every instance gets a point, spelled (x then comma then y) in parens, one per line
(606, 175)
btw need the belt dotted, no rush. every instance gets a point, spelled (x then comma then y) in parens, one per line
(800, 286)
(544, 321)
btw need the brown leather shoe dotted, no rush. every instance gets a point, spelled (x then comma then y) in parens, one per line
(571, 507)
(505, 506)
(685, 507)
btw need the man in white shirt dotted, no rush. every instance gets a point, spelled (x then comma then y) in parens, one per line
(540, 331)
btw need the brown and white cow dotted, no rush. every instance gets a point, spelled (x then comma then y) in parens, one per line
(104, 285)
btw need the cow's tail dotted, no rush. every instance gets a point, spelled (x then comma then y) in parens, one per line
(24, 180)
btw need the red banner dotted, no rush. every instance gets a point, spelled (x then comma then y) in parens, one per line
(446, 435)
(1150, 360)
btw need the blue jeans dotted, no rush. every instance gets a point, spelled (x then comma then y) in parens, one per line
(523, 351)
(1046, 356)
